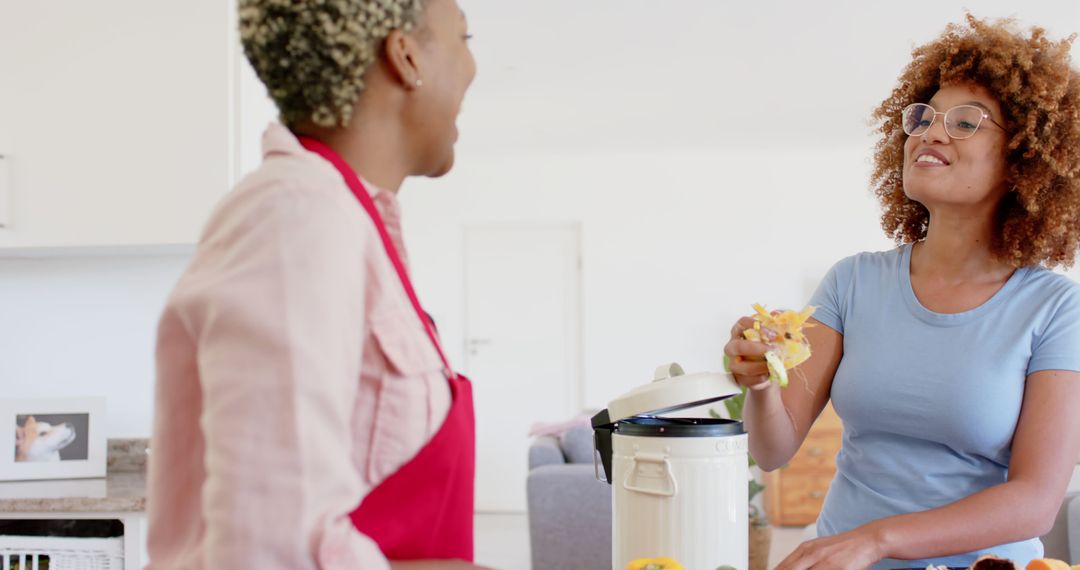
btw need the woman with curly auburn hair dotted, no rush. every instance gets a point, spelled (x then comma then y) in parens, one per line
(305, 414)
(954, 359)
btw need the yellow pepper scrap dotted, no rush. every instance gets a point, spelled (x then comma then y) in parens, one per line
(1048, 564)
(654, 564)
(783, 330)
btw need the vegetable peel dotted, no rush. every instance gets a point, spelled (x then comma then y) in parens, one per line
(783, 332)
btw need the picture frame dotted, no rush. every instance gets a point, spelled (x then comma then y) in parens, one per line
(52, 438)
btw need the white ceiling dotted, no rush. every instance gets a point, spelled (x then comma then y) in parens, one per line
(600, 74)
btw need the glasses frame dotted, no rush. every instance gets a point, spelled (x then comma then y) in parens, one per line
(982, 115)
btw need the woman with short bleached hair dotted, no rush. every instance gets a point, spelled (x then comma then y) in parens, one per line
(305, 414)
(954, 359)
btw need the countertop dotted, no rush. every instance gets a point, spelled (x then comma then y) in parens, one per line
(123, 489)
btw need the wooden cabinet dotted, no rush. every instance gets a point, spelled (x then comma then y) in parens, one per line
(795, 493)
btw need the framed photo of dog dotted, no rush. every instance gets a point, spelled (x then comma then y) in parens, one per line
(52, 438)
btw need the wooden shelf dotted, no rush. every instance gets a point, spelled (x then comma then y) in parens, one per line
(795, 493)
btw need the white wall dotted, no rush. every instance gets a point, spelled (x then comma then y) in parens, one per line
(84, 327)
(559, 75)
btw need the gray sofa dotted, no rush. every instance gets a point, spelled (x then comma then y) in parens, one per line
(569, 510)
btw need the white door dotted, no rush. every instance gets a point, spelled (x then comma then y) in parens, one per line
(523, 336)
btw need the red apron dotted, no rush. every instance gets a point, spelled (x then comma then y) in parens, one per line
(425, 509)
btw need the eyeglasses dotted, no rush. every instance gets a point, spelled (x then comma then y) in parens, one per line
(961, 122)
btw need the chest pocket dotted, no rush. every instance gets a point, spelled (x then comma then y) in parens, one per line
(411, 392)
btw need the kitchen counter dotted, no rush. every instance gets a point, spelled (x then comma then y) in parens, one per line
(122, 490)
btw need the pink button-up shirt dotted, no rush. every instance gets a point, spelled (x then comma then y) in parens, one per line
(293, 376)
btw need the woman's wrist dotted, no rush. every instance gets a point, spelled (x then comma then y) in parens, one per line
(760, 386)
(882, 537)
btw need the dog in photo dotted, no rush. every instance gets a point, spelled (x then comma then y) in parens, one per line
(41, 441)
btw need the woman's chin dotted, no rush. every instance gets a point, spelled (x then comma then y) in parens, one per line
(922, 193)
(444, 166)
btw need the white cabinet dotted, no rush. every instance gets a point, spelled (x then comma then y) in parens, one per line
(134, 538)
(117, 120)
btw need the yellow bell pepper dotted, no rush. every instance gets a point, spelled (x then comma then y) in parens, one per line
(1048, 564)
(654, 564)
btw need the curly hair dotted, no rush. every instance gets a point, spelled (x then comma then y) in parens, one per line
(1038, 220)
(312, 54)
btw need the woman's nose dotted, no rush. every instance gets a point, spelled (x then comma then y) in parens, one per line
(936, 132)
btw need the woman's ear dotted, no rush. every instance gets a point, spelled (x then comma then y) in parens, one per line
(401, 52)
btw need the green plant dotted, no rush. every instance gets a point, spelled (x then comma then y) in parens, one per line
(734, 407)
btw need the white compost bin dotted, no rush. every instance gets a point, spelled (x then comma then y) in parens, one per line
(680, 484)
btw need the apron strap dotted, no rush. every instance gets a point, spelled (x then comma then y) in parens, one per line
(361, 193)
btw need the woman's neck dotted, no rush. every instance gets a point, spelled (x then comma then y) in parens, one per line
(373, 144)
(958, 248)
(375, 149)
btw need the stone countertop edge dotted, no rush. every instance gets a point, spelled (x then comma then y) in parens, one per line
(127, 455)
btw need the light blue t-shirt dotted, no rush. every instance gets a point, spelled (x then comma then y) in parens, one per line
(930, 401)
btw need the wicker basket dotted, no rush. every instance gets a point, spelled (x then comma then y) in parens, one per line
(59, 553)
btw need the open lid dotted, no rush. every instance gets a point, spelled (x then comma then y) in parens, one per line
(672, 390)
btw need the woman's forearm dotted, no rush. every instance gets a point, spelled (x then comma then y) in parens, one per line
(1006, 513)
(773, 439)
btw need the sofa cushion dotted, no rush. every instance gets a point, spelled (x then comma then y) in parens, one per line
(545, 450)
(577, 444)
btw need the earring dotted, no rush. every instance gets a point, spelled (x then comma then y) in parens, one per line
(419, 83)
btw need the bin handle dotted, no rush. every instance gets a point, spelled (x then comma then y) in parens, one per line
(666, 371)
(651, 458)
